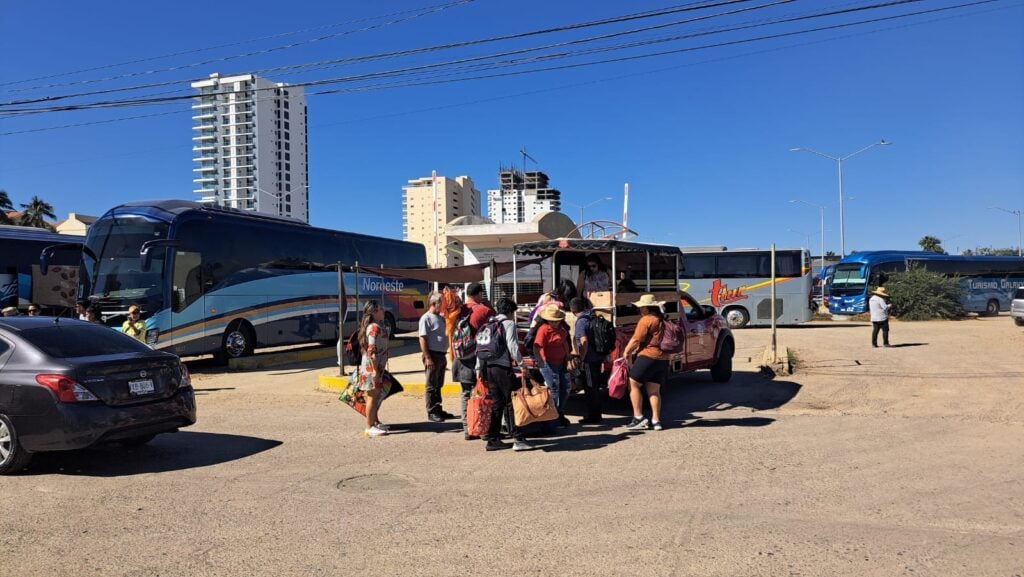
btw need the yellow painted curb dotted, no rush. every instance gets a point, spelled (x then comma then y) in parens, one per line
(283, 358)
(334, 384)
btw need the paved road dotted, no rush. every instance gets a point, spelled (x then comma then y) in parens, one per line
(902, 461)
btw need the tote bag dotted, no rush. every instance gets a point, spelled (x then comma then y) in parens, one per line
(618, 381)
(533, 405)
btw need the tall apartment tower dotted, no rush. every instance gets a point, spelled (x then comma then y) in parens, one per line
(250, 145)
(522, 196)
(421, 221)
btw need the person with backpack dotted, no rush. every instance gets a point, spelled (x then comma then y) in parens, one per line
(373, 342)
(463, 342)
(497, 355)
(650, 368)
(551, 350)
(593, 342)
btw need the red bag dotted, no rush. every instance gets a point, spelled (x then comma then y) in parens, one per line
(478, 411)
(618, 381)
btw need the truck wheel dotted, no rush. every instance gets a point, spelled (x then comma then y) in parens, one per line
(736, 317)
(13, 457)
(1019, 321)
(721, 371)
(239, 341)
(992, 308)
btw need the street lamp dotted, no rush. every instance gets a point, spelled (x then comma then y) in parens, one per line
(1016, 213)
(839, 160)
(586, 206)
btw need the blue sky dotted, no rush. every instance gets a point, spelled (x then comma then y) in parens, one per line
(702, 137)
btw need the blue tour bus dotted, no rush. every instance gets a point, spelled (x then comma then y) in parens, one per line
(987, 281)
(223, 281)
(21, 279)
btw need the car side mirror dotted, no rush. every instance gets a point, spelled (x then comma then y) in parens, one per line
(709, 311)
(145, 253)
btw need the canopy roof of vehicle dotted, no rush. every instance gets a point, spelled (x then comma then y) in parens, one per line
(549, 247)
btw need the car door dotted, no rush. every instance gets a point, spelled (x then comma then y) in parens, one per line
(700, 341)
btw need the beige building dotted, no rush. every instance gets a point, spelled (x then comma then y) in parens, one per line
(424, 224)
(75, 223)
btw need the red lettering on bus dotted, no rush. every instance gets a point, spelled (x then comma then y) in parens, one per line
(721, 294)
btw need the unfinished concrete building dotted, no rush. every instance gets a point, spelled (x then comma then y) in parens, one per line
(522, 196)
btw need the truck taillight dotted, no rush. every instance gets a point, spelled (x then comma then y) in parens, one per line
(66, 389)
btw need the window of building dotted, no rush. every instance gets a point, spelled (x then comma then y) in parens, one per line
(288, 208)
(287, 146)
(287, 156)
(286, 114)
(287, 177)
(287, 125)
(288, 187)
(287, 166)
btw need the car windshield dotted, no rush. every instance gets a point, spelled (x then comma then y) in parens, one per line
(848, 280)
(113, 267)
(70, 341)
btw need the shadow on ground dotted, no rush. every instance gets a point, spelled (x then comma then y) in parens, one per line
(168, 452)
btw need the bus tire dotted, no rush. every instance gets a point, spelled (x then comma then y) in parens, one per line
(721, 371)
(13, 457)
(389, 322)
(239, 340)
(736, 317)
(992, 308)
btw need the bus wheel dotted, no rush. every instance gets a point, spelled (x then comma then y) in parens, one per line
(389, 321)
(239, 340)
(992, 308)
(721, 371)
(737, 317)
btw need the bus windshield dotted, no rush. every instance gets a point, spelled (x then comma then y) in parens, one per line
(848, 280)
(116, 270)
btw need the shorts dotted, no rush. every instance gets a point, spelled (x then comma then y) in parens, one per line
(648, 370)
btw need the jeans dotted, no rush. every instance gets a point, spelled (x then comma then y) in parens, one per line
(595, 382)
(435, 380)
(464, 372)
(884, 326)
(500, 381)
(556, 380)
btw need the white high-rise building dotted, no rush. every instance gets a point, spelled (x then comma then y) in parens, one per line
(522, 196)
(250, 145)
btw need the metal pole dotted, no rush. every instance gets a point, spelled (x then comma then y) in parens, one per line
(842, 223)
(615, 292)
(821, 211)
(775, 352)
(515, 281)
(437, 248)
(341, 320)
(1018, 235)
(648, 253)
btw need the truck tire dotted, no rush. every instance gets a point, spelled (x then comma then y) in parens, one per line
(13, 457)
(721, 371)
(736, 317)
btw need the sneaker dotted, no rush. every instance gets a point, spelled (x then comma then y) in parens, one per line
(383, 427)
(657, 426)
(375, 431)
(637, 424)
(446, 415)
(469, 437)
(495, 445)
(563, 422)
(435, 418)
(590, 420)
(522, 446)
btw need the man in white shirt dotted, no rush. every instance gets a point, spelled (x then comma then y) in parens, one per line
(879, 306)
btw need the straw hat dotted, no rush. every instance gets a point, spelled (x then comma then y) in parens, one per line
(647, 300)
(552, 313)
(880, 291)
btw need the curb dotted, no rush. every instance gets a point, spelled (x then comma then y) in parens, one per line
(335, 384)
(278, 359)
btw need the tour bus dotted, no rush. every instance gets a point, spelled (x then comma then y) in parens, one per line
(987, 281)
(225, 281)
(21, 279)
(738, 284)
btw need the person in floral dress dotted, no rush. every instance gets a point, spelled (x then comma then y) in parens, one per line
(371, 377)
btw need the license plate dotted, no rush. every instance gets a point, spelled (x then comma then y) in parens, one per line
(141, 386)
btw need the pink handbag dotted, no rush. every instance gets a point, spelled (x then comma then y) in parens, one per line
(618, 381)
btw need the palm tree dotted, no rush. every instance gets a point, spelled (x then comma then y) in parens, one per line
(36, 212)
(931, 244)
(5, 205)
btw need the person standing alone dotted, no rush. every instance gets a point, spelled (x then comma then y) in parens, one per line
(880, 307)
(135, 327)
(434, 346)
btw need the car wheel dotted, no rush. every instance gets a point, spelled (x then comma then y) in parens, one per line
(737, 317)
(13, 457)
(239, 341)
(137, 441)
(1020, 322)
(992, 308)
(721, 371)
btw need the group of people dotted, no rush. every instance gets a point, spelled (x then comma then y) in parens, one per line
(133, 326)
(560, 341)
(12, 311)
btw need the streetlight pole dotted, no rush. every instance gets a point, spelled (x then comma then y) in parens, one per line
(821, 231)
(586, 206)
(1016, 213)
(839, 160)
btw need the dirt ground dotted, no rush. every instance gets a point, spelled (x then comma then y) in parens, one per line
(899, 461)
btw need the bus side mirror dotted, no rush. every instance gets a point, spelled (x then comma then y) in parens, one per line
(147, 247)
(47, 253)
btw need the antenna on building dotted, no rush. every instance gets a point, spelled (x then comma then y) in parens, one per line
(525, 156)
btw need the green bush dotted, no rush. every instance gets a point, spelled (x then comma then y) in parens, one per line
(919, 295)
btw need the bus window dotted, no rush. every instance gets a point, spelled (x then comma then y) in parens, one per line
(698, 266)
(187, 281)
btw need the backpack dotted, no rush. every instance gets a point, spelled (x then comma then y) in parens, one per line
(353, 354)
(601, 335)
(463, 339)
(671, 337)
(490, 340)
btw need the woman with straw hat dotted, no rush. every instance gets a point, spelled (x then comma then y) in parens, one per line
(880, 307)
(551, 350)
(650, 369)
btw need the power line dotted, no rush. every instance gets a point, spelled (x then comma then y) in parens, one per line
(417, 13)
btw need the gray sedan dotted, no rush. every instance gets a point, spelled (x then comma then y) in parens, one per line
(67, 384)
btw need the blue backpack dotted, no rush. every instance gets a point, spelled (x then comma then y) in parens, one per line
(490, 340)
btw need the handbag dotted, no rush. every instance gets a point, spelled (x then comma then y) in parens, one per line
(533, 405)
(618, 381)
(478, 411)
(354, 397)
